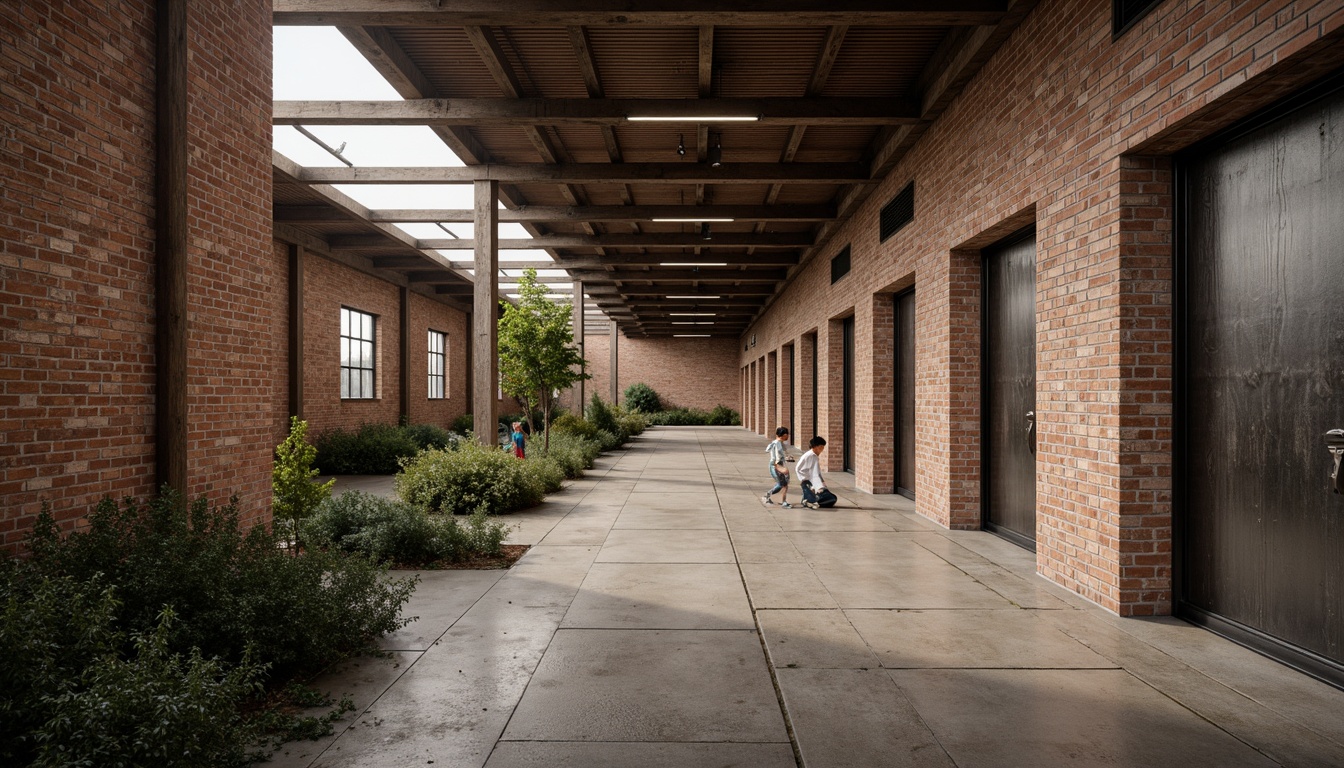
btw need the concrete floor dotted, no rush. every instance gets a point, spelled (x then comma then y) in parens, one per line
(665, 617)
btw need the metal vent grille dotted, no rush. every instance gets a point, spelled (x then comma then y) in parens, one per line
(1124, 14)
(840, 264)
(899, 212)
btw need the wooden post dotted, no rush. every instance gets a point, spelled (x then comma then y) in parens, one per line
(615, 382)
(405, 351)
(485, 323)
(577, 324)
(296, 331)
(170, 263)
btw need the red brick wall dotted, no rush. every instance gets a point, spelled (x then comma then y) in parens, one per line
(427, 314)
(76, 287)
(1051, 132)
(691, 373)
(328, 286)
(232, 313)
(77, 239)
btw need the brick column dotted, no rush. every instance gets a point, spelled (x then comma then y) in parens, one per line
(771, 393)
(786, 372)
(875, 390)
(831, 406)
(807, 353)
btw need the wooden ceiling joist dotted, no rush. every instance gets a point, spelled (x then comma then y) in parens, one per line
(636, 13)
(574, 213)
(520, 112)
(598, 173)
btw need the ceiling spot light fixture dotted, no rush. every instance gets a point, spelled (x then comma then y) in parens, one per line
(693, 118)
(715, 153)
(681, 145)
(704, 230)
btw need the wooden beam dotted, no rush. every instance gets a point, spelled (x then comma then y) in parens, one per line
(597, 173)
(706, 275)
(615, 360)
(520, 112)
(171, 260)
(647, 240)
(635, 13)
(404, 351)
(664, 288)
(485, 333)
(308, 214)
(295, 351)
(577, 328)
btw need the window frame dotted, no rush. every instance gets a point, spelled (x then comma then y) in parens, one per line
(350, 372)
(441, 376)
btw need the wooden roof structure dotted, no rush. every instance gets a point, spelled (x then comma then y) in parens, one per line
(547, 97)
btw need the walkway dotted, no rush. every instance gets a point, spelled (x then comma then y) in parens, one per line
(665, 617)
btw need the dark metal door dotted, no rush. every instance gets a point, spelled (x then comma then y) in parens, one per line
(1009, 395)
(1262, 342)
(904, 369)
(805, 439)
(847, 443)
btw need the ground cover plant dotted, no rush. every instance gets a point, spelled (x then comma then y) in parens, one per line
(377, 449)
(720, 416)
(387, 530)
(140, 640)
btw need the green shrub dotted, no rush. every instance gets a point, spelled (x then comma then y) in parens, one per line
(544, 472)
(723, 416)
(462, 425)
(574, 425)
(295, 494)
(641, 397)
(572, 452)
(373, 449)
(431, 436)
(631, 424)
(474, 476)
(155, 707)
(383, 529)
(236, 594)
(601, 416)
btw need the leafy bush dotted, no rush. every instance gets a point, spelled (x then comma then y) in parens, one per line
(156, 707)
(572, 452)
(377, 449)
(573, 425)
(474, 476)
(694, 417)
(631, 424)
(641, 397)
(462, 425)
(295, 493)
(544, 472)
(723, 416)
(236, 595)
(383, 529)
(601, 416)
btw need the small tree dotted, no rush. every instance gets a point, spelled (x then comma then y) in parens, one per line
(537, 356)
(295, 495)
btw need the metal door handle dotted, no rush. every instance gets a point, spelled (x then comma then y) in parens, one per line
(1334, 442)
(1031, 432)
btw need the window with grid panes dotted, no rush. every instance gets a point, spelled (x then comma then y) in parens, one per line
(357, 355)
(438, 343)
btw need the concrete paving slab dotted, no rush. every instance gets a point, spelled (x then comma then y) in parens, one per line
(801, 518)
(657, 686)
(1031, 591)
(861, 585)
(1048, 717)
(785, 585)
(644, 546)
(814, 639)
(684, 518)
(850, 718)
(965, 639)
(363, 680)
(764, 547)
(510, 754)
(880, 549)
(661, 596)
(439, 599)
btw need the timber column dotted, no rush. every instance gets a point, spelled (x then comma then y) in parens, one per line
(576, 323)
(485, 314)
(615, 382)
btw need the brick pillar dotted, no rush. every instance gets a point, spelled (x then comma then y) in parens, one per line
(771, 393)
(831, 406)
(807, 353)
(956, 455)
(875, 389)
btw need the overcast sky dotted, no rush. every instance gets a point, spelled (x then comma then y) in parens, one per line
(319, 63)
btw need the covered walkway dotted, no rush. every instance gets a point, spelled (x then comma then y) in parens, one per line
(665, 617)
